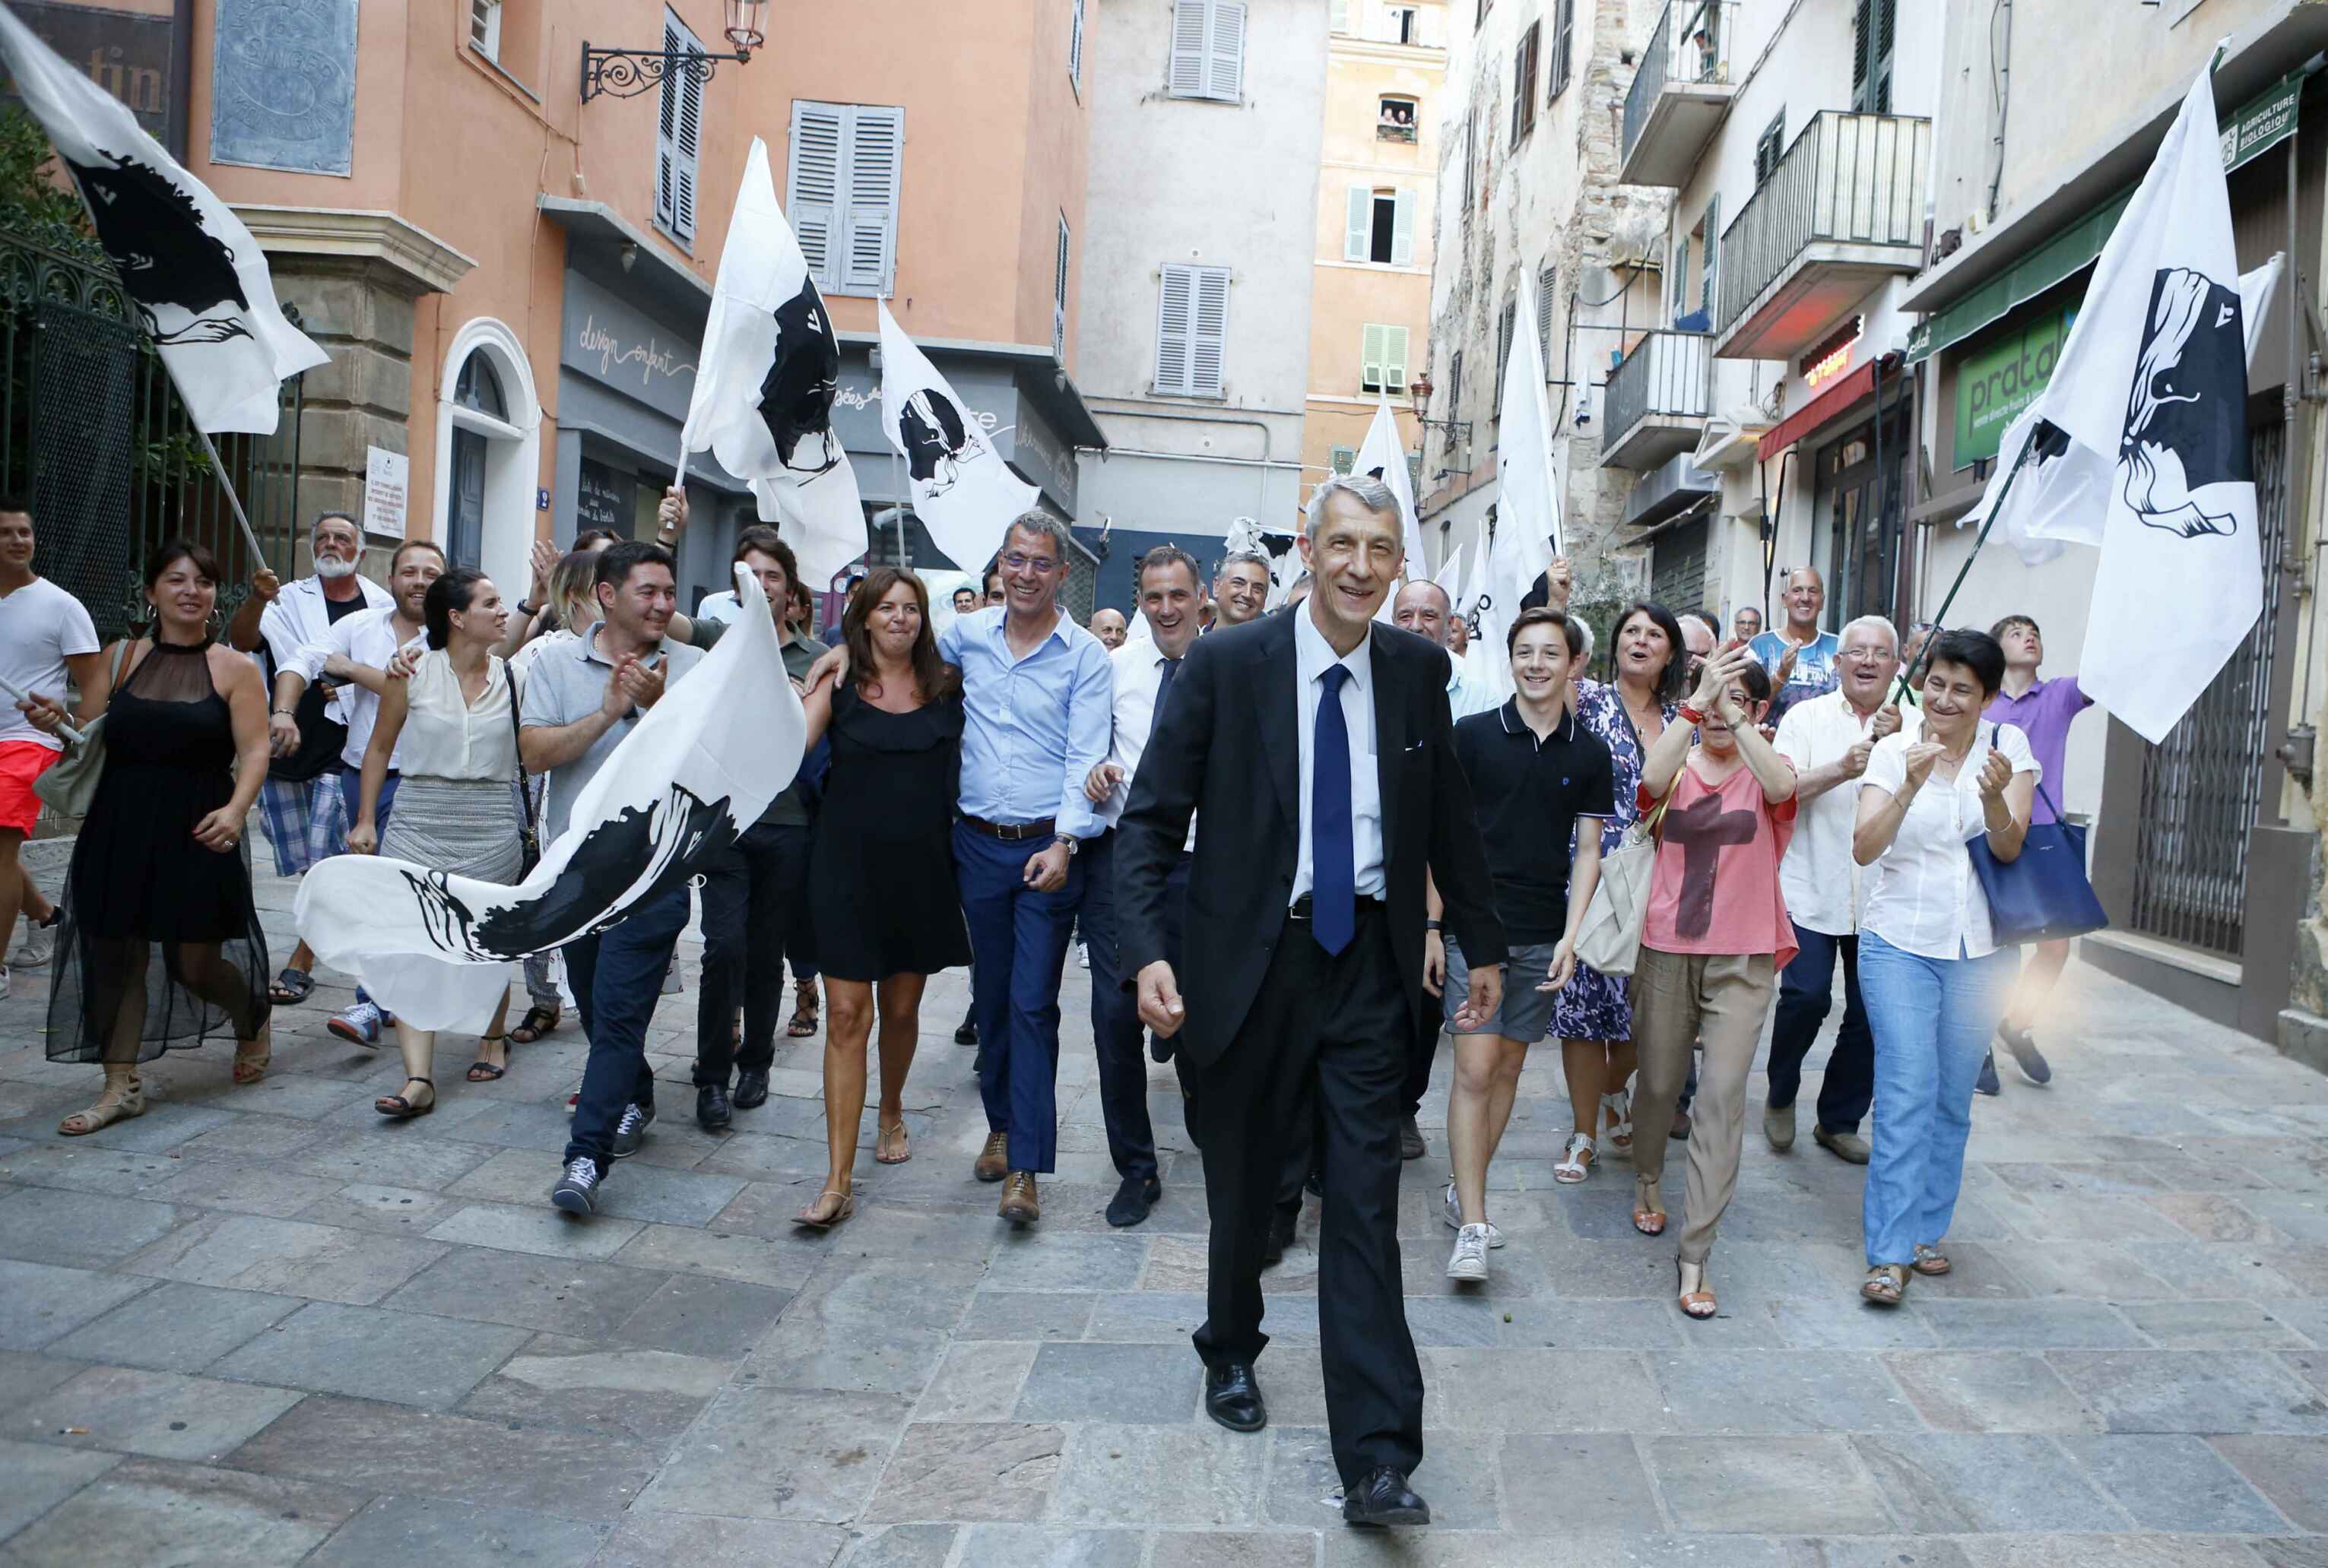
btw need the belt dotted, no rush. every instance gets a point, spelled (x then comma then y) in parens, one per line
(1299, 909)
(1013, 832)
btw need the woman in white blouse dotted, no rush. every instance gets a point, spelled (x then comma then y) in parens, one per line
(1934, 979)
(457, 718)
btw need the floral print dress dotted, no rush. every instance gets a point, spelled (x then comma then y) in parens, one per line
(1593, 1005)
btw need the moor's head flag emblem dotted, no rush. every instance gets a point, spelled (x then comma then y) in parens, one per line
(154, 233)
(2185, 417)
(938, 440)
(796, 394)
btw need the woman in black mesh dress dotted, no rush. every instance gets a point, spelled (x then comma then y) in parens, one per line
(161, 946)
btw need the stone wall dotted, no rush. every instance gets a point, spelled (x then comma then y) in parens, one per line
(360, 312)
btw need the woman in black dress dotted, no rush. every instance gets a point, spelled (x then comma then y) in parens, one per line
(161, 946)
(884, 840)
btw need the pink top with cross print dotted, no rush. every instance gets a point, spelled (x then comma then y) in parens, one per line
(1715, 887)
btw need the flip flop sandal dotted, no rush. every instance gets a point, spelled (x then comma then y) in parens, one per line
(1930, 1260)
(481, 1071)
(397, 1108)
(539, 1021)
(291, 987)
(807, 1220)
(882, 1148)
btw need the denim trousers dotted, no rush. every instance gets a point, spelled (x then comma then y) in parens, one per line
(617, 979)
(1018, 950)
(1805, 996)
(755, 896)
(1116, 1030)
(1932, 1019)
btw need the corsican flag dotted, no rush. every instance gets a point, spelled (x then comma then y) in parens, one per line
(2139, 444)
(1451, 579)
(1382, 455)
(964, 492)
(1527, 503)
(765, 383)
(436, 948)
(197, 277)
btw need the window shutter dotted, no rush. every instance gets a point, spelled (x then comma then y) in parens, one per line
(1059, 298)
(1340, 19)
(1225, 71)
(1712, 259)
(1208, 337)
(1543, 319)
(1175, 313)
(1190, 24)
(876, 148)
(1402, 229)
(1470, 150)
(1358, 235)
(1524, 84)
(1879, 55)
(1562, 44)
(1370, 358)
(667, 133)
(1395, 358)
(813, 184)
(1504, 321)
(689, 150)
(1076, 47)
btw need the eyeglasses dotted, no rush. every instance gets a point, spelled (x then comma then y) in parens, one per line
(1018, 562)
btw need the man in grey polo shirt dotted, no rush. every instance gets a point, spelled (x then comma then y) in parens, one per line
(582, 700)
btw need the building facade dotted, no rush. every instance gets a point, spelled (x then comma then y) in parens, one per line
(1207, 122)
(1377, 191)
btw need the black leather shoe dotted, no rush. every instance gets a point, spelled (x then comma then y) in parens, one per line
(751, 1088)
(1134, 1200)
(967, 1034)
(1280, 1236)
(712, 1107)
(1383, 1498)
(1411, 1145)
(1233, 1399)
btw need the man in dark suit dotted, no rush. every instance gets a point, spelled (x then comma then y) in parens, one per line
(1316, 746)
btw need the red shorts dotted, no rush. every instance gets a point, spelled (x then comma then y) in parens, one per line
(20, 762)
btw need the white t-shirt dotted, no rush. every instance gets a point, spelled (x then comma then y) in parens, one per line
(40, 625)
(1926, 900)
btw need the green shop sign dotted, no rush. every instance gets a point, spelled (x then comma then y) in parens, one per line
(1996, 381)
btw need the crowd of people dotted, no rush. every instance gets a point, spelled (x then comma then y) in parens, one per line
(1294, 848)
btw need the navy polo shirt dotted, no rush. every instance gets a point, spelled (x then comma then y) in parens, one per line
(1527, 795)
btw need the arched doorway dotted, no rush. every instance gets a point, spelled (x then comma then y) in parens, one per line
(482, 416)
(488, 453)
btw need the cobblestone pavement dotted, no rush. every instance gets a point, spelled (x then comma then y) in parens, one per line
(259, 1325)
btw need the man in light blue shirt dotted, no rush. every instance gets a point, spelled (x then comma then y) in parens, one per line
(1799, 657)
(1038, 699)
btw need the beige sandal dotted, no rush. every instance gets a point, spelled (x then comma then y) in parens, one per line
(1697, 1299)
(251, 1057)
(810, 1219)
(1649, 1211)
(885, 1153)
(1886, 1283)
(124, 1097)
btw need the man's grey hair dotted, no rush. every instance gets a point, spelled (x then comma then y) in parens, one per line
(315, 529)
(1711, 630)
(1584, 627)
(1241, 558)
(1890, 630)
(1049, 527)
(1371, 493)
(1169, 556)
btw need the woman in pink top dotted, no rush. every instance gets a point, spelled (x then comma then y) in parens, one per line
(1715, 938)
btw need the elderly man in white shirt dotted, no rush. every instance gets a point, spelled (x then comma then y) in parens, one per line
(1829, 738)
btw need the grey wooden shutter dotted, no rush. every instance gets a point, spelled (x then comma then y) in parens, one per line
(1175, 311)
(1209, 331)
(1393, 359)
(1505, 320)
(876, 147)
(813, 184)
(1563, 48)
(673, 158)
(1076, 47)
(1338, 18)
(1357, 233)
(1873, 26)
(1225, 71)
(1544, 318)
(1372, 351)
(1191, 25)
(1402, 229)
(689, 150)
(1059, 297)
(1524, 83)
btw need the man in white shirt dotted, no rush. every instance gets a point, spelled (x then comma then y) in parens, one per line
(1828, 739)
(1143, 672)
(1423, 608)
(354, 655)
(45, 636)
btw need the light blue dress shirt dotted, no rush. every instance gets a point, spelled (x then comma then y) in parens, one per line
(1035, 727)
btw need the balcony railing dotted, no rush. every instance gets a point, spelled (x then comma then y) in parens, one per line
(1847, 196)
(1657, 399)
(1690, 48)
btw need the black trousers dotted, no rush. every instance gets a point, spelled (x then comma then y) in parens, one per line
(1806, 994)
(1175, 918)
(1426, 1048)
(754, 908)
(1116, 1029)
(1341, 1021)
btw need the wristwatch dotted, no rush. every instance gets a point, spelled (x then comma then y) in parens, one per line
(1074, 845)
(1431, 926)
(528, 610)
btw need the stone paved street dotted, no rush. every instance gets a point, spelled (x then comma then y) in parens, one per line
(259, 1325)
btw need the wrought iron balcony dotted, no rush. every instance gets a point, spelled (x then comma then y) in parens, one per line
(1844, 208)
(1680, 93)
(1657, 399)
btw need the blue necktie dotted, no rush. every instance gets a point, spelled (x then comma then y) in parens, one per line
(1333, 856)
(1163, 689)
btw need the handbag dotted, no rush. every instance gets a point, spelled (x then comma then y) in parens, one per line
(2042, 895)
(1610, 940)
(529, 833)
(68, 786)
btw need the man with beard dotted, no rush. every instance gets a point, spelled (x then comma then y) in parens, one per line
(353, 654)
(1240, 588)
(301, 805)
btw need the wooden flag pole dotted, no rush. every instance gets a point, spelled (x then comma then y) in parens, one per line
(1941, 621)
(249, 534)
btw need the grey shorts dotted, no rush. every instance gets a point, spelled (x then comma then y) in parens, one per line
(1527, 1011)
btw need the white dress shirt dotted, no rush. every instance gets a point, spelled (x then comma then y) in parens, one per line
(1139, 675)
(1826, 889)
(367, 638)
(299, 617)
(1313, 655)
(1926, 900)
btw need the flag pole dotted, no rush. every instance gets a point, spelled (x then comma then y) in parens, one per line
(64, 727)
(1941, 621)
(250, 535)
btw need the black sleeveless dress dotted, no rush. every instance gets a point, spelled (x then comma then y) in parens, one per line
(160, 947)
(882, 862)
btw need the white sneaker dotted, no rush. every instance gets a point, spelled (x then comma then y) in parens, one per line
(1453, 1213)
(3, 981)
(1083, 955)
(1468, 1261)
(37, 947)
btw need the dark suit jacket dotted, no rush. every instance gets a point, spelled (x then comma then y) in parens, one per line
(1227, 747)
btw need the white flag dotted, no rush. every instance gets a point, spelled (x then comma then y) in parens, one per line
(1451, 578)
(2142, 440)
(435, 948)
(196, 276)
(1527, 501)
(764, 384)
(1384, 455)
(964, 492)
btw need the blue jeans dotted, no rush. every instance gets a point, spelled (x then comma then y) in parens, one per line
(617, 979)
(1116, 1029)
(1806, 994)
(1932, 1019)
(1019, 949)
